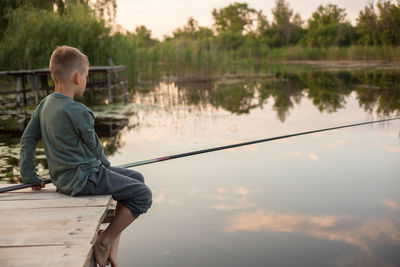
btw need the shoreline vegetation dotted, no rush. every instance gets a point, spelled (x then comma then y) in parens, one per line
(241, 41)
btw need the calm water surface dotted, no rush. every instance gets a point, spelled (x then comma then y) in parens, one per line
(325, 199)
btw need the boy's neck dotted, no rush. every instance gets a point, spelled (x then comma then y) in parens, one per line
(63, 90)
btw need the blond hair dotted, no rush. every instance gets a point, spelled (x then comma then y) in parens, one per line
(64, 61)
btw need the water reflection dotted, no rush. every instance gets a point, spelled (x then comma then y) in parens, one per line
(236, 198)
(378, 92)
(369, 235)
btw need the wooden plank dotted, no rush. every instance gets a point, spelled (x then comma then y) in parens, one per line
(19, 85)
(48, 186)
(47, 228)
(37, 196)
(50, 226)
(49, 193)
(81, 201)
(74, 255)
(49, 196)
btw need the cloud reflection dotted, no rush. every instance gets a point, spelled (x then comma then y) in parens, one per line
(313, 157)
(236, 198)
(295, 154)
(391, 204)
(158, 195)
(337, 143)
(367, 236)
(393, 149)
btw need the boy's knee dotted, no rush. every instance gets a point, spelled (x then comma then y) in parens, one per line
(148, 196)
(137, 176)
(140, 177)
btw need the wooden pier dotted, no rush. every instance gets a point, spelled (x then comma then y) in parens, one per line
(38, 80)
(47, 228)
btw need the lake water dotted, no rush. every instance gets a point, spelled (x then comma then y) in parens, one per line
(323, 199)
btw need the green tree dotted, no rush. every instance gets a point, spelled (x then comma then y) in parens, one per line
(33, 33)
(328, 26)
(262, 23)
(367, 26)
(142, 37)
(389, 23)
(106, 9)
(103, 8)
(231, 23)
(192, 31)
(285, 28)
(8, 6)
(236, 18)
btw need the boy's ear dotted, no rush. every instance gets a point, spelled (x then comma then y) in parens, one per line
(76, 78)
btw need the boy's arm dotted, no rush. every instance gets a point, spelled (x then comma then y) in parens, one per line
(29, 141)
(85, 126)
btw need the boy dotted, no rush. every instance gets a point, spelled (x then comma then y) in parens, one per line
(75, 157)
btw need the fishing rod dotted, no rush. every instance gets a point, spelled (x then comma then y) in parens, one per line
(202, 151)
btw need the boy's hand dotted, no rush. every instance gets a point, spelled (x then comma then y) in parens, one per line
(39, 186)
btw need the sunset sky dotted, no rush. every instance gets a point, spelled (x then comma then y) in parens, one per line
(163, 16)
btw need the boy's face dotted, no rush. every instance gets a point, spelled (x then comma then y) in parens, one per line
(82, 82)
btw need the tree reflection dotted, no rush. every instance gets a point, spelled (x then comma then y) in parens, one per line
(285, 90)
(236, 98)
(327, 90)
(377, 92)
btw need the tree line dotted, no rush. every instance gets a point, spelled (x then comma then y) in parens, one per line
(327, 26)
(240, 36)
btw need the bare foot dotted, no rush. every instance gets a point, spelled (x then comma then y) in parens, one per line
(113, 252)
(101, 252)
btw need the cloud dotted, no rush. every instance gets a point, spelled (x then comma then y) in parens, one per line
(158, 195)
(192, 192)
(393, 149)
(295, 154)
(175, 202)
(235, 198)
(313, 156)
(235, 204)
(221, 190)
(363, 234)
(241, 190)
(272, 221)
(391, 204)
(337, 143)
(317, 135)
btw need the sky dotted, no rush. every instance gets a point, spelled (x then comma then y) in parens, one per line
(163, 16)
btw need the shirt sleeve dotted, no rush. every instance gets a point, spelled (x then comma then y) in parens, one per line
(85, 127)
(29, 141)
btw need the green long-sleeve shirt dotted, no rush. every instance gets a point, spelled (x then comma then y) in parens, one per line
(72, 147)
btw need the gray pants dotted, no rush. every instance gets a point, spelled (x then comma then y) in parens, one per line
(126, 186)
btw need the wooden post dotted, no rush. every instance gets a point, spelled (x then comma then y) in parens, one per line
(44, 83)
(115, 87)
(109, 87)
(125, 86)
(21, 123)
(35, 88)
(91, 96)
(19, 85)
(110, 61)
(23, 89)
